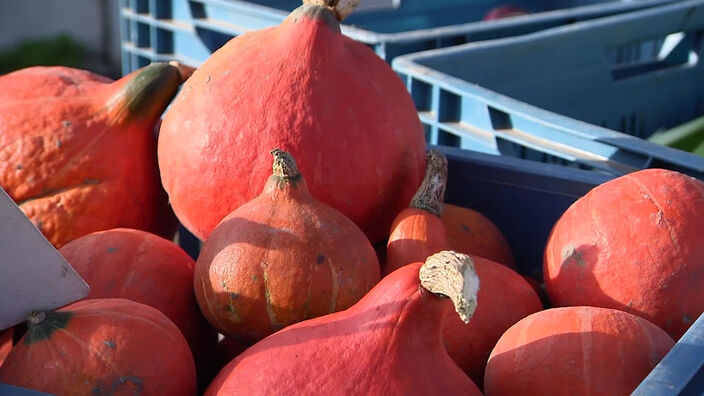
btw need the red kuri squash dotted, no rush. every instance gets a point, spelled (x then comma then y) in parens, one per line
(142, 267)
(304, 87)
(389, 343)
(102, 347)
(634, 244)
(575, 351)
(281, 258)
(78, 151)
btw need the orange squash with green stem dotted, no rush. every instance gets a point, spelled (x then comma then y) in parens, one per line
(78, 151)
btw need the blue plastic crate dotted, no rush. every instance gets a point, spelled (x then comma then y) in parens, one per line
(190, 30)
(561, 94)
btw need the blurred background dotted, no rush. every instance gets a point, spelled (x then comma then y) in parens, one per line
(77, 33)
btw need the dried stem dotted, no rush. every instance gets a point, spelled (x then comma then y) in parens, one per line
(341, 8)
(431, 193)
(452, 275)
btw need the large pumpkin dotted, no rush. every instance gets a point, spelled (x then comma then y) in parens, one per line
(102, 347)
(142, 267)
(635, 244)
(304, 87)
(281, 258)
(575, 351)
(78, 152)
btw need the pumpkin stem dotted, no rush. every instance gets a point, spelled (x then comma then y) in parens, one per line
(453, 275)
(341, 8)
(147, 91)
(284, 167)
(431, 192)
(36, 317)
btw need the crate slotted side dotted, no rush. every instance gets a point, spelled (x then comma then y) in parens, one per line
(581, 96)
(190, 30)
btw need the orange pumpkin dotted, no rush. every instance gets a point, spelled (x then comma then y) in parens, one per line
(575, 351)
(281, 258)
(307, 88)
(103, 346)
(142, 267)
(635, 244)
(78, 152)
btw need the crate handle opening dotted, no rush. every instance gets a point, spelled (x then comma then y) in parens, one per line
(674, 51)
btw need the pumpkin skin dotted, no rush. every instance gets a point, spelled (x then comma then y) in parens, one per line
(386, 344)
(6, 338)
(470, 232)
(575, 351)
(281, 258)
(304, 87)
(504, 298)
(78, 152)
(634, 244)
(102, 347)
(142, 267)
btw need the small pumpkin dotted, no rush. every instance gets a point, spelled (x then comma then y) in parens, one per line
(575, 351)
(101, 347)
(142, 267)
(78, 152)
(388, 343)
(305, 87)
(635, 244)
(281, 258)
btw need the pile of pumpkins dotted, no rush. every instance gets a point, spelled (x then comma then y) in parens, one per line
(330, 264)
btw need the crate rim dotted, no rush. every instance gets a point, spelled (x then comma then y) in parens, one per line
(370, 37)
(410, 64)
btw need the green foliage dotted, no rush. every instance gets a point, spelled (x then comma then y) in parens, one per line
(60, 50)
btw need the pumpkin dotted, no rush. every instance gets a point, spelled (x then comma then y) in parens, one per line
(102, 347)
(388, 343)
(634, 244)
(575, 351)
(78, 153)
(417, 231)
(504, 298)
(304, 87)
(139, 266)
(281, 258)
(471, 232)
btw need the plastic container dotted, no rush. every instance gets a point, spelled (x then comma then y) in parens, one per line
(561, 95)
(190, 30)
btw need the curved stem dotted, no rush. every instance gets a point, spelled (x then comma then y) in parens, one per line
(431, 193)
(452, 275)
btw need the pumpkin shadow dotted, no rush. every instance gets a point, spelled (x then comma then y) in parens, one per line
(405, 245)
(278, 237)
(576, 277)
(561, 373)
